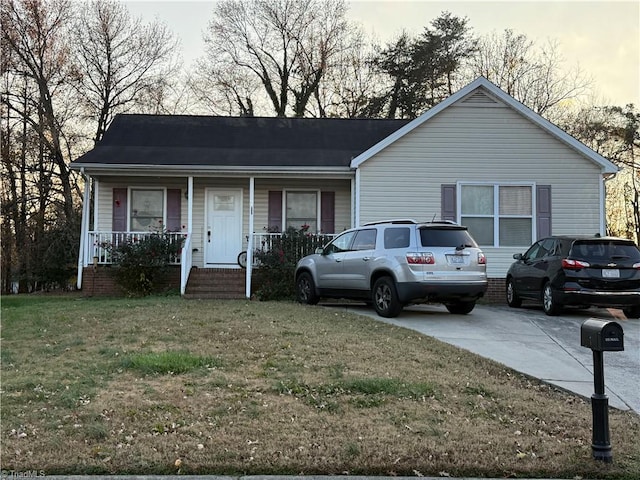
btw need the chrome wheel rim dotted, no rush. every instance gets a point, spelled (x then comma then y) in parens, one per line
(510, 292)
(383, 297)
(547, 298)
(304, 289)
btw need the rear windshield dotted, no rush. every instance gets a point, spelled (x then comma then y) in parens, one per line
(604, 250)
(446, 237)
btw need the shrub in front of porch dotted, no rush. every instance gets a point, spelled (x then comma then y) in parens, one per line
(277, 262)
(140, 264)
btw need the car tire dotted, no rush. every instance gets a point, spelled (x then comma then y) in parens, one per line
(460, 308)
(513, 300)
(549, 305)
(306, 289)
(385, 298)
(632, 312)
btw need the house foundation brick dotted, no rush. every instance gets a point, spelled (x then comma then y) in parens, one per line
(495, 292)
(97, 282)
(100, 282)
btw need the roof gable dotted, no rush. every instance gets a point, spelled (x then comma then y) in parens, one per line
(484, 93)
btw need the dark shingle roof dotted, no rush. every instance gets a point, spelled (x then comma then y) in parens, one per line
(165, 140)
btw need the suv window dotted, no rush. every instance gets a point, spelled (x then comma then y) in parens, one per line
(365, 240)
(446, 237)
(396, 237)
(604, 250)
(340, 244)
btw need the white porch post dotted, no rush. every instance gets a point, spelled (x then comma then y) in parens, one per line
(189, 205)
(355, 198)
(84, 227)
(250, 241)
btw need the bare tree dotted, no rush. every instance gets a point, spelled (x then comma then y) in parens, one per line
(614, 132)
(120, 61)
(532, 75)
(349, 84)
(285, 45)
(36, 49)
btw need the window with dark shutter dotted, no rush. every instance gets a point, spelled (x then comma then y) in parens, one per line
(119, 208)
(275, 211)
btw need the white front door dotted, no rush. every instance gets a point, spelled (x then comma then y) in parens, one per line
(223, 226)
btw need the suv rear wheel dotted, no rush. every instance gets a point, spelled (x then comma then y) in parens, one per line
(306, 289)
(460, 308)
(632, 312)
(385, 298)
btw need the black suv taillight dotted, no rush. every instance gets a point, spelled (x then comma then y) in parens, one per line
(574, 264)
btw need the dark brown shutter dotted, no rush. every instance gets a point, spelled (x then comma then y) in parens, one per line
(119, 216)
(543, 210)
(173, 210)
(448, 202)
(327, 212)
(275, 211)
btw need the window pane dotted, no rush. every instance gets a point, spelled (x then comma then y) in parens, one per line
(515, 232)
(302, 209)
(396, 237)
(477, 200)
(365, 240)
(146, 209)
(515, 200)
(481, 229)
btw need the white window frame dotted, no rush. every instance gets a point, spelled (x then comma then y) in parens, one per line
(496, 208)
(146, 187)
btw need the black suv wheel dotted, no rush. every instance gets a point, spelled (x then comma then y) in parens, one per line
(549, 305)
(632, 312)
(513, 300)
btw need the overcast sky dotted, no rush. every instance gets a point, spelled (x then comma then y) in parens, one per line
(602, 37)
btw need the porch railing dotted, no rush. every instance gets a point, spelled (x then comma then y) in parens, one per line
(265, 241)
(101, 243)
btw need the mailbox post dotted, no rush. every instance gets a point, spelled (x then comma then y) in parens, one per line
(601, 336)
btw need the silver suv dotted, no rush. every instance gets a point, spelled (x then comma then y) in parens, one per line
(394, 263)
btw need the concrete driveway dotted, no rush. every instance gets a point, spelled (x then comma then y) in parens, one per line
(533, 343)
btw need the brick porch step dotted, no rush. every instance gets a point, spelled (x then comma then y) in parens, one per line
(216, 283)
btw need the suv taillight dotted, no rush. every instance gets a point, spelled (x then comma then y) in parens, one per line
(482, 260)
(424, 258)
(574, 264)
(636, 265)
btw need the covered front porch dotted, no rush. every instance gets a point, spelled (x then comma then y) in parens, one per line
(218, 217)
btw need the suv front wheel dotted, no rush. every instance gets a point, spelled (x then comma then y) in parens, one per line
(549, 305)
(306, 289)
(385, 298)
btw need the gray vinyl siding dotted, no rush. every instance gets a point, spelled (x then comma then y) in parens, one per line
(479, 144)
(342, 189)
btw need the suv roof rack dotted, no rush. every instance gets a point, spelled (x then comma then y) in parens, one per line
(404, 221)
(441, 222)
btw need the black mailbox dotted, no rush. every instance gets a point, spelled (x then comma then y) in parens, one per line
(602, 335)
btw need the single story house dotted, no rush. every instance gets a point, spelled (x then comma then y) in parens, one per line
(480, 158)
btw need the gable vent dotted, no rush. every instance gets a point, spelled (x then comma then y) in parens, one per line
(479, 98)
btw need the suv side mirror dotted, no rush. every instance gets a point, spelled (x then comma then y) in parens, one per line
(320, 250)
(517, 256)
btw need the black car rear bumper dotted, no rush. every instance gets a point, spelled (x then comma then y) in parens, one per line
(598, 298)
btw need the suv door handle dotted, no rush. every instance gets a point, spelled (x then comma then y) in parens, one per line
(338, 259)
(366, 259)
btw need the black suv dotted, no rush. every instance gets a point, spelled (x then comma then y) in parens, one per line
(577, 270)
